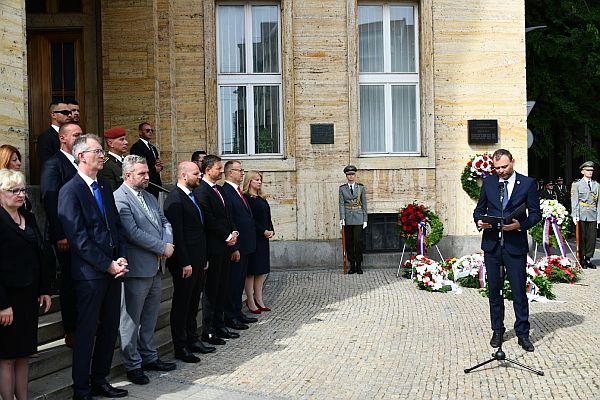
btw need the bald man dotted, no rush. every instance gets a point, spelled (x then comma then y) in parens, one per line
(188, 263)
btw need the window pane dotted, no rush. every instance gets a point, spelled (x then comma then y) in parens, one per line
(265, 39)
(266, 119)
(402, 32)
(233, 119)
(232, 56)
(372, 118)
(370, 38)
(404, 118)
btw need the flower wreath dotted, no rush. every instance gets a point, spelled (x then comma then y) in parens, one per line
(537, 284)
(467, 271)
(428, 274)
(558, 268)
(408, 224)
(551, 208)
(477, 168)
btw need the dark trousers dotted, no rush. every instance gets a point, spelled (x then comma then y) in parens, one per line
(68, 305)
(237, 280)
(184, 306)
(515, 272)
(215, 293)
(354, 243)
(98, 310)
(587, 238)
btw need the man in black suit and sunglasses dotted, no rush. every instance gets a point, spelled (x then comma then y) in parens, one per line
(48, 143)
(144, 148)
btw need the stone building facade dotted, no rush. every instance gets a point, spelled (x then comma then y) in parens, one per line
(202, 72)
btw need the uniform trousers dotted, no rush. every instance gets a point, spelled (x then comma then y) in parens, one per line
(587, 238)
(354, 243)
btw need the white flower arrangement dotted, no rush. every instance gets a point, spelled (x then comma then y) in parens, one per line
(468, 265)
(482, 166)
(552, 208)
(429, 275)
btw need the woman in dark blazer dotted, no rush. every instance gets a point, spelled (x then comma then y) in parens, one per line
(23, 285)
(259, 262)
(10, 157)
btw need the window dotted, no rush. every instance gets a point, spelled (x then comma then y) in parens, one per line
(249, 93)
(388, 79)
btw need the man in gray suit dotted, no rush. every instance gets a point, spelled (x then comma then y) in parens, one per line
(586, 212)
(149, 239)
(353, 218)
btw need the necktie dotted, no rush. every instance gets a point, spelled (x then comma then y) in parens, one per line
(98, 197)
(197, 206)
(352, 189)
(242, 196)
(219, 194)
(590, 185)
(140, 197)
(505, 196)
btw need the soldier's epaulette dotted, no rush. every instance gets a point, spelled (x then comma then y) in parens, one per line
(106, 158)
(343, 184)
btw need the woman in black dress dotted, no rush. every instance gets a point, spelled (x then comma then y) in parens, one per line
(259, 263)
(23, 287)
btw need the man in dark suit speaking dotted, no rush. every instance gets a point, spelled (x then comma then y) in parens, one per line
(87, 212)
(501, 194)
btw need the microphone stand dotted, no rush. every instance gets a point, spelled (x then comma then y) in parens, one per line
(499, 354)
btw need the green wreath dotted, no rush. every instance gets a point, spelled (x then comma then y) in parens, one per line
(537, 231)
(470, 184)
(434, 228)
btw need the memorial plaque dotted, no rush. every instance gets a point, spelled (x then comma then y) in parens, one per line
(321, 133)
(483, 131)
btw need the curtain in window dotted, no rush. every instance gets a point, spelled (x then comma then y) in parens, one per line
(372, 118)
(370, 38)
(266, 119)
(404, 123)
(233, 119)
(265, 39)
(402, 38)
(232, 56)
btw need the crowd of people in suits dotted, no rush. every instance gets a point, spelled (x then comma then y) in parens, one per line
(112, 243)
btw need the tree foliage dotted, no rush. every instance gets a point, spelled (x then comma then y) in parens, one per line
(563, 74)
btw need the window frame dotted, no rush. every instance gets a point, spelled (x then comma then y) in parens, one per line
(249, 80)
(388, 79)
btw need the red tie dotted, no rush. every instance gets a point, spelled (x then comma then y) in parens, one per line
(219, 194)
(242, 196)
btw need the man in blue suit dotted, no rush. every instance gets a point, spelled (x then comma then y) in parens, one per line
(501, 194)
(89, 217)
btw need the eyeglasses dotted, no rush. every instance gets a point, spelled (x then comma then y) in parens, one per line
(95, 151)
(148, 130)
(17, 191)
(239, 170)
(63, 112)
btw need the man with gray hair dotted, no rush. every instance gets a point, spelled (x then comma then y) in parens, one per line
(149, 239)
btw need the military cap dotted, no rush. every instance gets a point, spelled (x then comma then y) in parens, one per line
(349, 169)
(559, 178)
(587, 165)
(549, 183)
(114, 133)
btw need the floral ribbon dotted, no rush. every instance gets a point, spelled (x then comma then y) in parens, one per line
(481, 276)
(552, 222)
(421, 241)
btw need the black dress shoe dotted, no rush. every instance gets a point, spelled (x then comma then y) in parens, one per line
(213, 339)
(236, 324)
(590, 265)
(185, 356)
(224, 333)
(106, 390)
(497, 337)
(359, 269)
(138, 377)
(526, 344)
(199, 347)
(352, 269)
(247, 320)
(159, 365)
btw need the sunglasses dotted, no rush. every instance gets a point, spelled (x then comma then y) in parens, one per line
(63, 112)
(148, 130)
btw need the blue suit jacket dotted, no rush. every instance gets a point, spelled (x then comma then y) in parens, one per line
(94, 241)
(524, 191)
(244, 221)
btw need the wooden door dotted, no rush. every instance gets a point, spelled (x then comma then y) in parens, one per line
(55, 73)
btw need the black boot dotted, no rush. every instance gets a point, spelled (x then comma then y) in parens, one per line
(352, 268)
(583, 263)
(358, 269)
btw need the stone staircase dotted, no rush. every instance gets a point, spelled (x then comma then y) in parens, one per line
(50, 373)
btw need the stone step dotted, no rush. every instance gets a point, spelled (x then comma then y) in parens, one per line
(57, 385)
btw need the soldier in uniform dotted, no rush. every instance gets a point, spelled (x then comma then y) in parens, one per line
(549, 193)
(584, 202)
(113, 162)
(562, 194)
(353, 218)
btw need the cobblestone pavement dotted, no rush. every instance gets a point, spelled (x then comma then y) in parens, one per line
(375, 336)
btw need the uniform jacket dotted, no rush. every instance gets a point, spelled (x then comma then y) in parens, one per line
(146, 239)
(584, 202)
(57, 171)
(112, 172)
(353, 207)
(94, 241)
(546, 195)
(524, 191)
